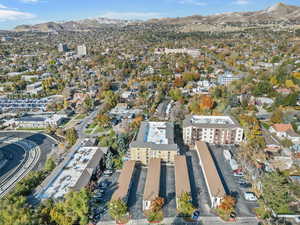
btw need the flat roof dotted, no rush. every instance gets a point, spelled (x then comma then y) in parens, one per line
(73, 172)
(124, 180)
(153, 180)
(155, 135)
(210, 121)
(182, 180)
(213, 179)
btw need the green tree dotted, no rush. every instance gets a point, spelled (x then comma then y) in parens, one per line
(277, 116)
(276, 194)
(175, 94)
(117, 209)
(74, 209)
(49, 165)
(71, 136)
(88, 103)
(185, 205)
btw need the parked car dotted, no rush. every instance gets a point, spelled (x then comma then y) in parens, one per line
(108, 173)
(246, 185)
(104, 184)
(238, 174)
(250, 196)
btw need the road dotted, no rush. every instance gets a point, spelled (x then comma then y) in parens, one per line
(28, 151)
(86, 121)
(180, 221)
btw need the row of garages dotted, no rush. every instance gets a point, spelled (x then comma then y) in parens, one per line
(152, 190)
(153, 179)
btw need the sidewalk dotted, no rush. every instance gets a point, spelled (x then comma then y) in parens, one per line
(180, 221)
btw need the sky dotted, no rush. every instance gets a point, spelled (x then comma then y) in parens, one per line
(18, 12)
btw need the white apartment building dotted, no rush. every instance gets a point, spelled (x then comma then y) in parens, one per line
(212, 129)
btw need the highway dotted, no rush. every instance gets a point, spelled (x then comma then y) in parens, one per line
(27, 152)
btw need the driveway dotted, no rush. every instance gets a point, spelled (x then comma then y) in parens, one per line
(244, 208)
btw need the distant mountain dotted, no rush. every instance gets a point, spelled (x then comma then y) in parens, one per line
(79, 25)
(276, 13)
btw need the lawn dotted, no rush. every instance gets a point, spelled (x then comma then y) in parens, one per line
(80, 117)
(32, 129)
(99, 130)
(92, 125)
(88, 131)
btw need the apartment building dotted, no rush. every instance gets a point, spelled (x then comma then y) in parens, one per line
(211, 129)
(154, 140)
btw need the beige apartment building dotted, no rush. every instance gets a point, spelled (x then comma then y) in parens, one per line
(154, 140)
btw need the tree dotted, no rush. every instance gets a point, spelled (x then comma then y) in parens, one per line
(117, 209)
(110, 98)
(118, 162)
(185, 205)
(226, 207)
(157, 204)
(74, 208)
(175, 94)
(277, 116)
(275, 193)
(71, 136)
(49, 165)
(103, 120)
(88, 103)
(206, 102)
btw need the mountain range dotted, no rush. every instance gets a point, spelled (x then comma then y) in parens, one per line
(277, 13)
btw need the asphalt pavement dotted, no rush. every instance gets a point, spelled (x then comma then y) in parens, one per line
(244, 208)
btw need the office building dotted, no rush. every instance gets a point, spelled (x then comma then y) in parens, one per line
(211, 129)
(154, 140)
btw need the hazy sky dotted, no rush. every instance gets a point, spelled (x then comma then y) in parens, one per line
(16, 12)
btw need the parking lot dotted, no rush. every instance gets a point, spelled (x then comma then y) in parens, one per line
(167, 188)
(135, 200)
(99, 207)
(244, 208)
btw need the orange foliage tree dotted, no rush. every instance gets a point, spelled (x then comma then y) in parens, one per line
(157, 204)
(206, 102)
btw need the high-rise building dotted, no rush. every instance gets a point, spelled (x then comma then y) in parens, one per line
(211, 129)
(62, 47)
(81, 50)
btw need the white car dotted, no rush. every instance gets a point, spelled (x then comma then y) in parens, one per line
(250, 196)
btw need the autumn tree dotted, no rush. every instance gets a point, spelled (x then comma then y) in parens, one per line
(226, 207)
(206, 102)
(103, 120)
(157, 204)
